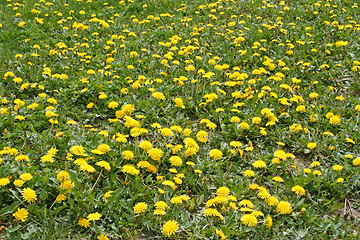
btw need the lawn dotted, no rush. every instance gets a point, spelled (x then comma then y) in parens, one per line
(174, 119)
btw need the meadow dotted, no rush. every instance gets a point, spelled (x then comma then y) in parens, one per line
(174, 119)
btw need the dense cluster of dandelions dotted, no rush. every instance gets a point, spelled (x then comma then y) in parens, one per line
(170, 131)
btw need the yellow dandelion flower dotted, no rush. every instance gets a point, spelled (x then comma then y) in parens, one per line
(83, 222)
(170, 227)
(60, 197)
(104, 148)
(146, 145)
(130, 169)
(94, 216)
(62, 175)
(216, 154)
(161, 205)
(223, 191)
(259, 164)
(18, 182)
(4, 181)
(140, 207)
(26, 177)
(155, 153)
(107, 195)
(103, 164)
(175, 161)
(102, 237)
(356, 161)
(337, 167)
(335, 120)
(272, 201)
(29, 195)
(249, 220)
(269, 221)
(77, 150)
(311, 145)
(278, 179)
(21, 158)
(158, 95)
(284, 208)
(248, 173)
(298, 190)
(21, 214)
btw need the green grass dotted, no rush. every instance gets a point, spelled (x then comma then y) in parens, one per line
(281, 69)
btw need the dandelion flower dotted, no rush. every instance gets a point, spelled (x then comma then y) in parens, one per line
(356, 161)
(103, 164)
(179, 103)
(4, 181)
(256, 120)
(170, 227)
(155, 153)
(94, 216)
(161, 205)
(175, 161)
(202, 136)
(249, 220)
(284, 208)
(21, 158)
(146, 145)
(248, 173)
(60, 197)
(216, 154)
(29, 195)
(21, 214)
(128, 155)
(83, 222)
(166, 132)
(113, 105)
(337, 167)
(104, 148)
(220, 234)
(130, 169)
(77, 150)
(140, 207)
(340, 180)
(335, 120)
(269, 221)
(223, 191)
(47, 158)
(311, 145)
(244, 125)
(107, 195)
(272, 201)
(278, 179)
(159, 212)
(62, 175)
(213, 212)
(259, 164)
(158, 95)
(246, 203)
(298, 190)
(102, 237)
(18, 182)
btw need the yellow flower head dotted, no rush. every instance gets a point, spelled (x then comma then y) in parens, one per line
(21, 214)
(284, 208)
(29, 195)
(249, 220)
(216, 154)
(140, 207)
(298, 190)
(94, 216)
(170, 227)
